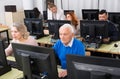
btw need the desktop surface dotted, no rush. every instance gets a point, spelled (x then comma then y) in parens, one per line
(104, 48)
(13, 74)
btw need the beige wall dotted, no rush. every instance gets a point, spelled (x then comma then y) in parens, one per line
(18, 4)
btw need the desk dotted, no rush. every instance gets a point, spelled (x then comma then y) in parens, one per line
(13, 74)
(45, 41)
(107, 48)
(104, 48)
(5, 29)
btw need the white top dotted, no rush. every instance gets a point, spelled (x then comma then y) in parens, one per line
(29, 41)
(59, 15)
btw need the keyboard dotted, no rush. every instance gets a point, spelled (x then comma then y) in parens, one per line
(13, 64)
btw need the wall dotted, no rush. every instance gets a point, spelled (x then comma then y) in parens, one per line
(9, 2)
(77, 5)
(110, 5)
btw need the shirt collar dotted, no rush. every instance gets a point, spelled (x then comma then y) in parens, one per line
(70, 43)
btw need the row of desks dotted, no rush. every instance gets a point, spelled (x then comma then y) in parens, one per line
(104, 48)
(15, 73)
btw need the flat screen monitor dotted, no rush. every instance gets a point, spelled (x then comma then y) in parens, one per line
(29, 14)
(36, 62)
(54, 26)
(114, 17)
(67, 11)
(34, 26)
(2, 54)
(89, 67)
(45, 15)
(90, 14)
(94, 29)
(4, 67)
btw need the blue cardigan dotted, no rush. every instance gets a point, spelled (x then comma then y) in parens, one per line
(61, 50)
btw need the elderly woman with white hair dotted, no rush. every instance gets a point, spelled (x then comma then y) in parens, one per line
(20, 35)
(67, 45)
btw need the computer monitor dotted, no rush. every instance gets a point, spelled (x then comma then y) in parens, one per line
(34, 26)
(54, 26)
(45, 16)
(4, 67)
(89, 67)
(94, 29)
(36, 62)
(114, 17)
(29, 14)
(90, 14)
(67, 11)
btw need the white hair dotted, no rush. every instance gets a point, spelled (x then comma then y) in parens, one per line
(68, 26)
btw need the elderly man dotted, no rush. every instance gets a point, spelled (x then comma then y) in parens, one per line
(67, 45)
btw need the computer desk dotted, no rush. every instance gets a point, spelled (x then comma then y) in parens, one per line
(107, 48)
(45, 41)
(14, 73)
(104, 48)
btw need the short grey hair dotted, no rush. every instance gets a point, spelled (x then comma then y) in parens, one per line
(68, 26)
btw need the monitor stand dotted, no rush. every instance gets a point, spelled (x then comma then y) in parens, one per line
(26, 66)
(27, 72)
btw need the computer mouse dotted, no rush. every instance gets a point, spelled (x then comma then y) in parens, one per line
(115, 45)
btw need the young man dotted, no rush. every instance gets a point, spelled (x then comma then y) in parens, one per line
(112, 29)
(55, 13)
(67, 45)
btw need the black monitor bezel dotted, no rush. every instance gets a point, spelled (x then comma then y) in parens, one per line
(54, 30)
(3, 60)
(89, 13)
(92, 60)
(112, 15)
(92, 29)
(29, 14)
(37, 49)
(30, 26)
(67, 11)
(45, 16)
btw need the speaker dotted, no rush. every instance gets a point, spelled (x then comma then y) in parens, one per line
(10, 8)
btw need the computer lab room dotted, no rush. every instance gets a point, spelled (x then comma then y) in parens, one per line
(59, 39)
